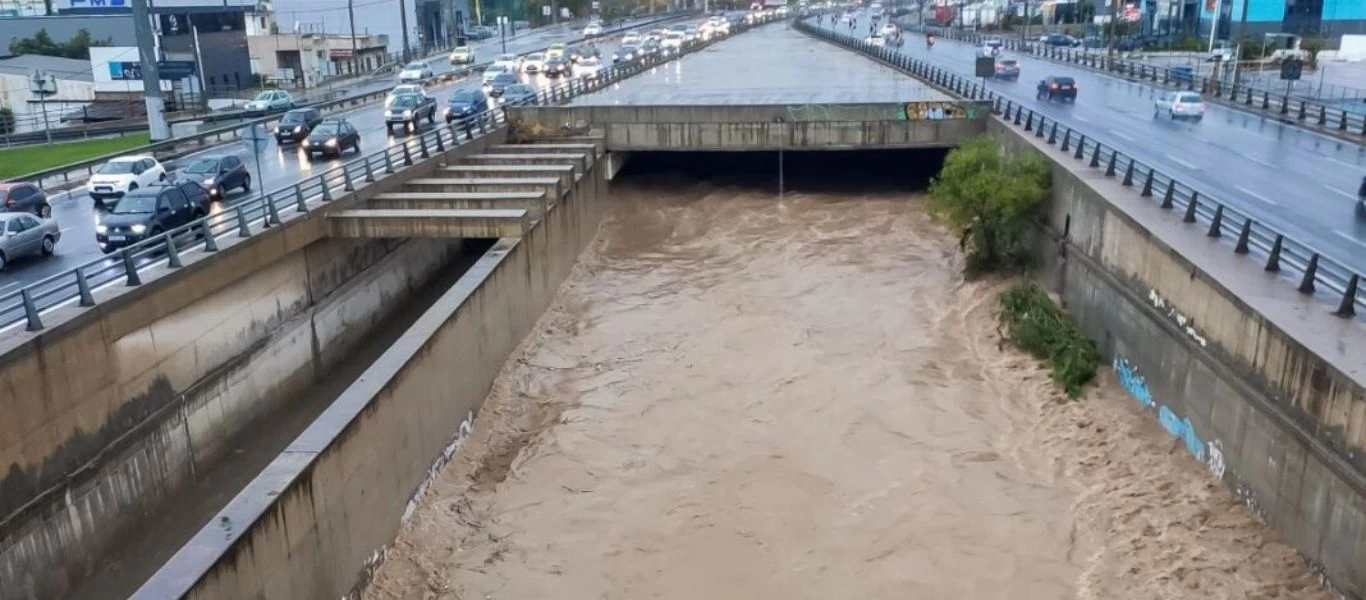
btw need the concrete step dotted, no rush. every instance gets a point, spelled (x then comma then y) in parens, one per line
(549, 185)
(598, 141)
(581, 161)
(545, 147)
(532, 202)
(429, 223)
(565, 173)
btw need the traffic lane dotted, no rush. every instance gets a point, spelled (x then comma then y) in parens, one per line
(1304, 208)
(280, 166)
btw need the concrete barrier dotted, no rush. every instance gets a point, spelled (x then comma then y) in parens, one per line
(315, 522)
(1263, 385)
(761, 127)
(113, 410)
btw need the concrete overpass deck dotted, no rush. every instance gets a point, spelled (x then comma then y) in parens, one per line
(772, 65)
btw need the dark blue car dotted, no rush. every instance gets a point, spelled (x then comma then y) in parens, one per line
(466, 103)
(500, 83)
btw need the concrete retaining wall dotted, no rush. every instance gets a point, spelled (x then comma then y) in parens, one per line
(741, 128)
(115, 408)
(1263, 385)
(316, 520)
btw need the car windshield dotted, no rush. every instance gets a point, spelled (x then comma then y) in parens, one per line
(293, 117)
(117, 167)
(1063, 80)
(1191, 98)
(203, 165)
(627, 49)
(135, 204)
(462, 50)
(264, 97)
(520, 88)
(591, 62)
(1009, 63)
(466, 96)
(535, 56)
(328, 128)
(405, 101)
(415, 66)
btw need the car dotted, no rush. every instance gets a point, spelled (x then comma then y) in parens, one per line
(415, 72)
(462, 55)
(992, 47)
(1062, 88)
(269, 101)
(480, 32)
(510, 62)
(654, 35)
(1061, 40)
(534, 63)
(465, 103)
(875, 40)
(1180, 105)
(649, 48)
(578, 53)
(499, 84)
(122, 175)
(494, 71)
(331, 138)
(22, 235)
(22, 196)
(409, 109)
(592, 30)
(217, 174)
(1007, 69)
(556, 50)
(589, 68)
(518, 93)
(296, 124)
(888, 30)
(630, 39)
(557, 66)
(150, 212)
(1093, 42)
(692, 33)
(673, 41)
(625, 53)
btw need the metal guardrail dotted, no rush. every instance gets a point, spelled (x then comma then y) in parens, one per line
(1218, 219)
(65, 173)
(1239, 95)
(250, 217)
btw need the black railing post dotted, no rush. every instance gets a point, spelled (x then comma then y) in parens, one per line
(1273, 260)
(1243, 237)
(129, 269)
(1216, 224)
(172, 253)
(1307, 283)
(35, 323)
(87, 298)
(1169, 198)
(1129, 175)
(1095, 157)
(1347, 308)
(1081, 147)
(1191, 207)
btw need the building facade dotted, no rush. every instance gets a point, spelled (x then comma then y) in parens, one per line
(1309, 18)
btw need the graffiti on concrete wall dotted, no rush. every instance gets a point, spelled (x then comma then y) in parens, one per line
(1186, 324)
(1216, 459)
(1211, 453)
(1130, 378)
(938, 111)
(910, 111)
(461, 432)
(1181, 428)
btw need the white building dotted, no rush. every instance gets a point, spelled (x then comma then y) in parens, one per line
(75, 89)
(22, 8)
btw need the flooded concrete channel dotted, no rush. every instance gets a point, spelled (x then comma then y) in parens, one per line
(737, 395)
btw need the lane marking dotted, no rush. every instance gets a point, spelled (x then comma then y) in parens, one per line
(1256, 195)
(1122, 136)
(1340, 191)
(1347, 236)
(1258, 161)
(1181, 163)
(1082, 119)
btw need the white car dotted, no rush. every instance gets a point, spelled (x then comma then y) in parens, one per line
(495, 70)
(592, 30)
(875, 40)
(888, 30)
(992, 47)
(407, 88)
(416, 71)
(1180, 105)
(509, 62)
(654, 35)
(270, 101)
(534, 63)
(673, 41)
(630, 39)
(122, 175)
(588, 68)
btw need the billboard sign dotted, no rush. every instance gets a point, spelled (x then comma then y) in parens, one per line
(167, 70)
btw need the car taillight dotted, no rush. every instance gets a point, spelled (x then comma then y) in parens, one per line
(999, 68)
(9, 202)
(1054, 86)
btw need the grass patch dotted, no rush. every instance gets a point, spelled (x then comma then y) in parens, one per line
(17, 162)
(1036, 325)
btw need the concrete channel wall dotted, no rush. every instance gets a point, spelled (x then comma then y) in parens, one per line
(316, 521)
(118, 408)
(747, 128)
(1263, 385)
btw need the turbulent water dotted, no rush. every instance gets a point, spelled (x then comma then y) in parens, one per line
(737, 396)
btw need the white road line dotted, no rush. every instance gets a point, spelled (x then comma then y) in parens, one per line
(1256, 195)
(1343, 162)
(1181, 163)
(1340, 191)
(1258, 161)
(1347, 236)
(1121, 136)
(1082, 119)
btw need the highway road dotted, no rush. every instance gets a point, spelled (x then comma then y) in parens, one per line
(281, 166)
(1296, 181)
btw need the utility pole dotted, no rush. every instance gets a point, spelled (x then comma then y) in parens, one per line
(355, 53)
(403, 22)
(157, 128)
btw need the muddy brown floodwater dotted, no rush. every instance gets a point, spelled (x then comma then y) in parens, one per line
(735, 397)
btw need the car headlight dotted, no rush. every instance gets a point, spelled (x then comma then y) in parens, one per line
(448, 111)
(332, 143)
(101, 228)
(305, 143)
(407, 114)
(208, 181)
(139, 228)
(299, 129)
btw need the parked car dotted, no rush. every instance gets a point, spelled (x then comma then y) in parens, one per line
(408, 110)
(1007, 69)
(21, 196)
(499, 84)
(518, 93)
(296, 124)
(1180, 105)
(415, 72)
(217, 174)
(533, 63)
(332, 137)
(558, 66)
(150, 212)
(462, 55)
(22, 235)
(466, 102)
(122, 175)
(269, 101)
(1062, 88)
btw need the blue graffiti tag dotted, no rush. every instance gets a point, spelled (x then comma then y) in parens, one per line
(1183, 429)
(1130, 378)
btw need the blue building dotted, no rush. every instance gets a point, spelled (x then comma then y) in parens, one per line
(1328, 18)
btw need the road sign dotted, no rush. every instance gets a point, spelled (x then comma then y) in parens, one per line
(167, 70)
(42, 84)
(545, 10)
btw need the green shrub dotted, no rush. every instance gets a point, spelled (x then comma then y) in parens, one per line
(988, 197)
(1036, 325)
(6, 121)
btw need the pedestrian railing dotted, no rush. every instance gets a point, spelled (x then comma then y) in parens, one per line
(1284, 104)
(1278, 253)
(248, 218)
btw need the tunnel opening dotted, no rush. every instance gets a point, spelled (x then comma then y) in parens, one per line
(806, 171)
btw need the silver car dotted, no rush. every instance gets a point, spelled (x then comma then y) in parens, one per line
(22, 234)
